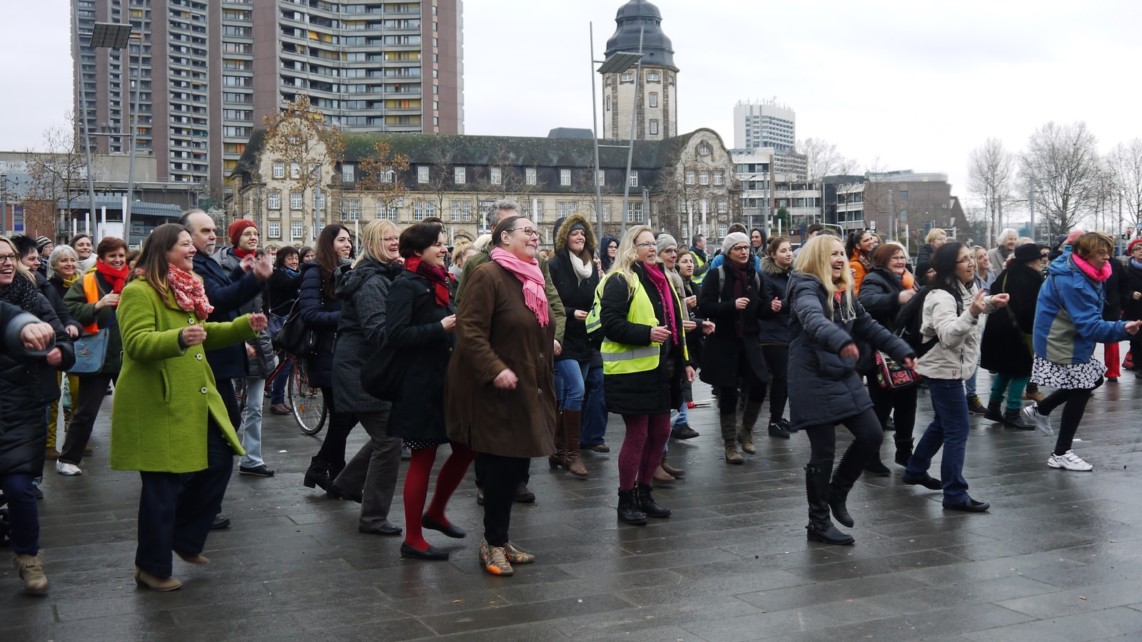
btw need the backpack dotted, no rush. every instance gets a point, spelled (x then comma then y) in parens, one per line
(911, 317)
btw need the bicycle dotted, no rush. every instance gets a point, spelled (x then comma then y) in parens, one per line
(304, 400)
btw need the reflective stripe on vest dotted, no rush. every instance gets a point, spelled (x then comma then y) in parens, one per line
(91, 291)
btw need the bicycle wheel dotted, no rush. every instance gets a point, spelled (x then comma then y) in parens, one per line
(306, 401)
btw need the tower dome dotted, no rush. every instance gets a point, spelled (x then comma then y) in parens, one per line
(638, 15)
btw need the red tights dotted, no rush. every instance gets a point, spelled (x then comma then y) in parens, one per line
(416, 489)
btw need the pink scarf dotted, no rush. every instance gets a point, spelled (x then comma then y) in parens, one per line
(189, 293)
(1088, 269)
(658, 278)
(528, 272)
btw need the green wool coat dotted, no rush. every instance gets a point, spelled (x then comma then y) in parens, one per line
(165, 395)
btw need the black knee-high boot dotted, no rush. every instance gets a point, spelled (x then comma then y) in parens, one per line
(820, 528)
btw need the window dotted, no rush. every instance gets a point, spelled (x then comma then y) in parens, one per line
(274, 229)
(653, 126)
(634, 179)
(459, 175)
(423, 210)
(275, 200)
(352, 211)
(387, 212)
(294, 171)
(348, 173)
(626, 77)
(691, 177)
(652, 76)
(279, 170)
(719, 177)
(608, 214)
(704, 177)
(722, 229)
(296, 229)
(565, 177)
(654, 99)
(529, 176)
(462, 211)
(634, 212)
(607, 103)
(319, 200)
(495, 176)
(704, 149)
(295, 200)
(723, 207)
(565, 208)
(422, 173)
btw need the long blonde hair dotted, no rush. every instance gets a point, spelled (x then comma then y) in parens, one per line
(627, 256)
(815, 259)
(373, 236)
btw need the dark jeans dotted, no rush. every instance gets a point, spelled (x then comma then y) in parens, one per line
(373, 471)
(23, 514)
(340, 425)
(594, 409)
(900, 403)
(176, 510)
(1073, 411)
(753, 386)
(500, 476)
(278, 385)
(92, 390)
(777, 360)
(949, 429)
(867, 436)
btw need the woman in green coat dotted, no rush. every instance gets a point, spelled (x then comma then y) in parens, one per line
(169, 422)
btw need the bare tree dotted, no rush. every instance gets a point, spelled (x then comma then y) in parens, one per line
(1126, 163)
(824, 159)
(1060, 169)
(991, 174)
(383, 174)
(57, 173)
(299, 137)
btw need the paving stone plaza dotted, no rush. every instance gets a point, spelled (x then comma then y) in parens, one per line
(1059, 557)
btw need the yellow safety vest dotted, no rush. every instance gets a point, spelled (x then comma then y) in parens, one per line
(698, 263)
(620, 358)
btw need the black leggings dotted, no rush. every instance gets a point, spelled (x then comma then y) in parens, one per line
(900, 403)
(867, 436)
(753, 386)
(340, 425)
(777, 359)
(1075, 405)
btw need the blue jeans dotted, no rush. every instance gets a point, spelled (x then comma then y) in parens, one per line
(594, 410)
(22, 512)
(949, 429)
(252, 423)
(278, 385)
(569, 387)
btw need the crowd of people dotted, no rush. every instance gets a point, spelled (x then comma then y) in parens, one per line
(505, 354)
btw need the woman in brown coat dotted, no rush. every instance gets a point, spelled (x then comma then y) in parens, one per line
(500, 389)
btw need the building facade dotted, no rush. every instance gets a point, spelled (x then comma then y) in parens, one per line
(772, 198)
(770, 125)
(647, 95)
(209, 72)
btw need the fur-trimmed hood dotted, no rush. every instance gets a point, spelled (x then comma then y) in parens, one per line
(769, 267)
(565, 230)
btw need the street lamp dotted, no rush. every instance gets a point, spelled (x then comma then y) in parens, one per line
(617, 63)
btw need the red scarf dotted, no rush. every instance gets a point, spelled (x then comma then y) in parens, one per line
(436, 275)
(528, 272)
(658, 278)
(116, 277)
(242, 253)
(189, 293)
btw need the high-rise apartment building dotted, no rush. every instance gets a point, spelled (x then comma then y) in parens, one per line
(211, 71)
(764, 124)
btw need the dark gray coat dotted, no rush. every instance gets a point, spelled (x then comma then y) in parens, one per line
(723, 349)
(265, 359)
(364, 295)
(823, 387)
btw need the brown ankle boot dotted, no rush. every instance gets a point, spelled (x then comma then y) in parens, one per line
(671, 470)
(572, 423)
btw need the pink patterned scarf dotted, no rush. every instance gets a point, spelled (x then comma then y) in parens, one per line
(189, 293)
(528, 272)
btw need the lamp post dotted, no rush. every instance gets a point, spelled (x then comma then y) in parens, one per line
(617, 63)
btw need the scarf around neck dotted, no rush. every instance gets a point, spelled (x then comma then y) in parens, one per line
(582, 268)
(740, 283)
(21, 293)
(435, 275)
(189, 293)
(1088, 269)
(658, 278)
(116, 277)
(242, 253)
(528, 272)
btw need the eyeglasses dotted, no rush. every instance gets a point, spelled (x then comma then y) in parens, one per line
(966, 260)
(739, 248)
(7, 258)
(527, 231)
(670, 250)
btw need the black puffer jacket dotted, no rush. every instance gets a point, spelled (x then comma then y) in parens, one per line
(415, 332)
(27, 384)
(880, 296)
(575, 293)
(1005, 346)
(228, 292)
(774, 325)
(320, 314)
(53, 290)
(364, 295)
(825, 388)
(724, 347)
(1114, 287)
(1131, 283)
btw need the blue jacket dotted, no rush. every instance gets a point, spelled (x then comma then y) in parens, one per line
(1068, 316)
(321, 314)
(227, 292)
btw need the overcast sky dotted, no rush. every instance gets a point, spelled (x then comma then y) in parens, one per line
(894, 84)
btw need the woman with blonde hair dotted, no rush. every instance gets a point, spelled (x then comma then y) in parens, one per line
(371, 476)
(825, 323)
(169, 421)
(933, 241)
(644, 364)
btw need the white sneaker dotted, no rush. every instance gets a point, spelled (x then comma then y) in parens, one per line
(1069, 461)
(67, 470)
(1042, 422)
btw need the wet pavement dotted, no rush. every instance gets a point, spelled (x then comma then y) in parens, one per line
(1058, 557)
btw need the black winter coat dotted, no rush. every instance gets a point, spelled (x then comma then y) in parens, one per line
(280, 292)
(823, 387)
(1131, 283)
(640, 393)
(774, 325)
(227, 292)
(364, 295)
(723, 349)
(575, 294)
(1114, 288)
(265, 359)
(880, 296)
(1003, 347)
(320, 314)
(414, 332)
(27, 386)
(53, 290)
(924, 262)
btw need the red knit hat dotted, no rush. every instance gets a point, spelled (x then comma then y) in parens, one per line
(1130, 248)
(237, 227)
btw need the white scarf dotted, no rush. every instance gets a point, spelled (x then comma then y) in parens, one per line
(582, 270)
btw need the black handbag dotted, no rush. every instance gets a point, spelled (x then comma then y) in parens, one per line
(294, 337)
(382, 374)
